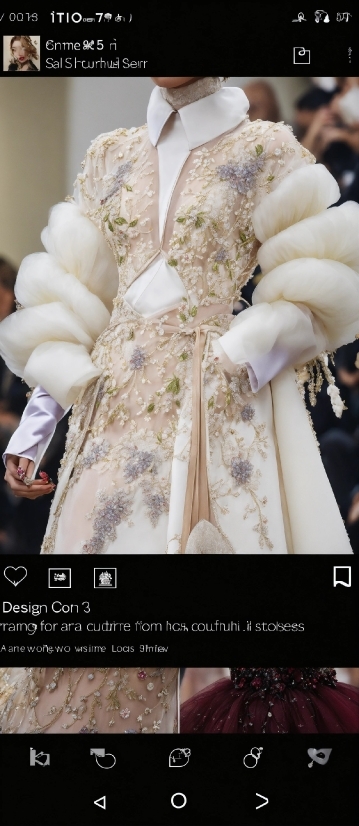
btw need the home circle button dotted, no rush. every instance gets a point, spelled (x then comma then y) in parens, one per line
(178, 800)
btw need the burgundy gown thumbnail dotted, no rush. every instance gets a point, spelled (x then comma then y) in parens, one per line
(273, 701)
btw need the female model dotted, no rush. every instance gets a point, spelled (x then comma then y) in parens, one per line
(22, 49)
(188, 431)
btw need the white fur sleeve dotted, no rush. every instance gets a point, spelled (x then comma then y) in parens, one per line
(66, 299)
(308, 299)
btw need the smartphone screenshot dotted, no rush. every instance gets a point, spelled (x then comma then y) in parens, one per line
(179, 376)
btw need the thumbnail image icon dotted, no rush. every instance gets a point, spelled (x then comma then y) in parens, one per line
(21, 53)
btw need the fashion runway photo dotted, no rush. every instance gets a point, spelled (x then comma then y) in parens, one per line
(188, 431)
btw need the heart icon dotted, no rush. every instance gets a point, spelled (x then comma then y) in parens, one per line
(15, 575)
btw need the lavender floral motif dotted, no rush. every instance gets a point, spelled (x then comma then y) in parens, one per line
(138, 358)
(248, 412)
(241, 176)
(221, 255)
(241, 470)
(156, 503)
(118, 178)
(98, 451)
(110, 510)
(139, 462)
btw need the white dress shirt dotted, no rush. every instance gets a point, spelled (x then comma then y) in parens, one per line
(175, 134)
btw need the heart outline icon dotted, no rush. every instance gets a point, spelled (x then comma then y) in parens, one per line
(15, 579)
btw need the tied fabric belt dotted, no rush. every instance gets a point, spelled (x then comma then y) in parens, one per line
(197, 501)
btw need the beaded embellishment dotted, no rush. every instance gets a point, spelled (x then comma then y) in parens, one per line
(277, 680)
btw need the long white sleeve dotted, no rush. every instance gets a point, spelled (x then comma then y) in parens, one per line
(308, 300)
(36, 428)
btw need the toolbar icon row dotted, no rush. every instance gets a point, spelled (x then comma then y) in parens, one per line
(322, 16)
(61, 577)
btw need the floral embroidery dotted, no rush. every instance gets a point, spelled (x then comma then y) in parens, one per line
(247, 413)
(242, 177)
(139, 462)
(156, 503)
(116, 179)
(138, 358)
(95, 452)
(106, 701)
(110, 511)
(241, 470)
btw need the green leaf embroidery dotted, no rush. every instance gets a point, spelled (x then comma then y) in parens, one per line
(215, 268)
(172, 261)
(210, 402)
(133, 223)
(183, 356)
(193, 312)
(173, 386)
(129, 188)
(110, 226)
(243, 237)
(259, 149)
(270, 178)
(199, 220)
(181, 220)
(150, 408)
(120, 221)
(183, 317)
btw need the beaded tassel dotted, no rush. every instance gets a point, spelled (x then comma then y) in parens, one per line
(313, 373)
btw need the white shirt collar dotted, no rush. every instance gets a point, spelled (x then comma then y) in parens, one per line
(203, 120)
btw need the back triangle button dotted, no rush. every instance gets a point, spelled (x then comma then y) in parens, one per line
(101, 802)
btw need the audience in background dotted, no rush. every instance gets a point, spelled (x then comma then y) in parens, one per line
(17, 514)
(263, 101)
(327, 123)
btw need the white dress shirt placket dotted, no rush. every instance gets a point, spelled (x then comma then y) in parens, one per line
(160, 288)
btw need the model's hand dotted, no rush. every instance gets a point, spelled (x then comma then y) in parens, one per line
(39, 487)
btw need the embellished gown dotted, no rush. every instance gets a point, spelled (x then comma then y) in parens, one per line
(188, 432)
(88, 701)
(273, 701)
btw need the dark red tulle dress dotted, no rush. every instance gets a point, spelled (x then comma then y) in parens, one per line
(273, 701)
